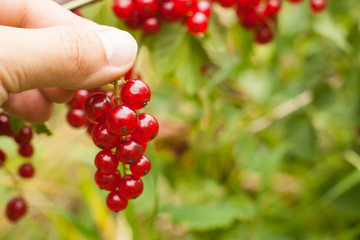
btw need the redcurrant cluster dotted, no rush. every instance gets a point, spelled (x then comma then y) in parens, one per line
(16, 207)
(148, 14)
(256, 15)
(121, 132)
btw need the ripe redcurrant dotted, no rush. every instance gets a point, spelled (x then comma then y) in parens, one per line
(76, 117)
(135, 94)
(121, 120)
(26, 170)
(131, 187)
(24, 136)
(141, 167)
(197, 23)
(26, 150)
(15, 209)
(116, 202)
(129, 151)
(106, 161)
(107, 181)
(147, 128)
(103, 138)
(97, 106)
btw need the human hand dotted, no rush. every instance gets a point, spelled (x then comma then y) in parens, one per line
(47, 52)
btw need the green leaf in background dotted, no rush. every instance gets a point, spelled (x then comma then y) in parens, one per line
(41, 129)
(206, 217)
(15, 124)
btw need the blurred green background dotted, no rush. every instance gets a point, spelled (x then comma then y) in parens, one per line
(256, 142)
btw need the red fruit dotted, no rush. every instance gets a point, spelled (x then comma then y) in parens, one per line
(102, 138)
(2, 158)
(131, 187)
(90, 127)
(96, 107)
(123, 8)
(77, 12)
(116, 202)
(263, 35)
(76, 117)
(184, 6)
(273, 7)
(107, 181)
(121, 120)
(77, 101)
(106, 161)
(5, 128)
(168, 12)
(147, 8)
(227, 3)
(141, 167)
(26, 170)
(144, 145)
(197, 23)
(135, 94)
(15, 209)
(147, 128)
(128, 75)
(317, 6)
(24, 136)
(26, 150)
(204, 7)
(134, 21)
(129, 151)
(151, 25)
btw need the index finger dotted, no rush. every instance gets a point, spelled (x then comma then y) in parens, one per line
(36, 14)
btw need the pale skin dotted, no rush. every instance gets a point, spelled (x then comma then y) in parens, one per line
(47, 52)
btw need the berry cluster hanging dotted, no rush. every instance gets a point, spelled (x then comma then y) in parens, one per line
(258, 16)
(121, 132)
(16, 208)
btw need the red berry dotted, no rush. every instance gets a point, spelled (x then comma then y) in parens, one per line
(90, 127)
(135, 94)
(128, 75)
(129, 151)
(123, 8)
(2, 158)
(263, 35)
(204, 7)
(147, 128)
(121, 120)
(197, 23)
(147, 8)
(102, 138)
(144, 145)
(107, 181)
(5, 128)
(24, 136)
(317, 6)
(131, 187)
(167, 11)
(76, 117)
(97, 106)
(141, 167)
(227, 3)
(106, 161)
(77, 101)
(116, 202)
(134, 21)
(15, 209)
(26, 150)
(273, 7)
(184, 6)
(26, 170)
(77, 12)
(151, 25)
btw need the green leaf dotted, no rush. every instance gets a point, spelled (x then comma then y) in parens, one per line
(208, 217)
(41, 128)
(15, 124)
(331, 30)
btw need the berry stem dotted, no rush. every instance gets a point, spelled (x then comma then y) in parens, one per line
(116, 90)
(16, 182)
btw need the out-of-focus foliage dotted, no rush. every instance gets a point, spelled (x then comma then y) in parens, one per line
(256, 142)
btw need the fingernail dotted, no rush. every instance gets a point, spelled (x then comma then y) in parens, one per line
(120, 46)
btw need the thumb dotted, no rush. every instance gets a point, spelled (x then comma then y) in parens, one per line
(67, 56)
